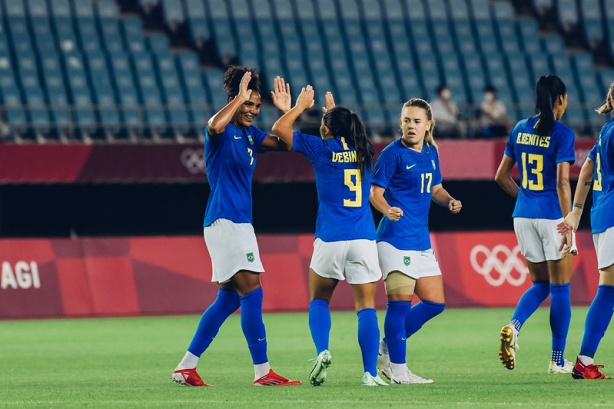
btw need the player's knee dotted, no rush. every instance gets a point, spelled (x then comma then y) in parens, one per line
(434, 308)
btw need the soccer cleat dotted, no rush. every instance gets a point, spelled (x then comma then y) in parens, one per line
(567, 367)
(188, 377)
(370, 380)
(272, 379)
(509, 346)
(581, 371)
(318, 373)
(408, 377)
(383, 363)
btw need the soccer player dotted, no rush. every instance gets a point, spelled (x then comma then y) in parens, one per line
(598, 171)
(345, 232)
(232, 144)
(405, 180)
(543, 148)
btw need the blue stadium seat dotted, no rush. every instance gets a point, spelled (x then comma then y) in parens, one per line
(88, 34)
(196, 95)
(553, 43)
(173, 96)
(132, 30)
(158, 43)
(84, 8)
(197, 22)
(221, 29)
(567, 14)
(529, 35)
(593, 28)
(107, 9)
(173, 13)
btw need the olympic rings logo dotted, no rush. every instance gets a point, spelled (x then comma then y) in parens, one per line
(193, 160)
(499, 265)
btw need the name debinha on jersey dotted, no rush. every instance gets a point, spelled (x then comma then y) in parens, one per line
(532, 139)
(346, 156)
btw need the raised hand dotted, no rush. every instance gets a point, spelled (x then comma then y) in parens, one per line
(305, 99)
(455, 206)
(330, 102)
(282, 99)
(244, 93)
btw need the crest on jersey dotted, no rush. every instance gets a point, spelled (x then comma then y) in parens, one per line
(250, 257)
(406, 260)
(251, 141)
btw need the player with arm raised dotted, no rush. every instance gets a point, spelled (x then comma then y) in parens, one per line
(232, 144)
(344, 244)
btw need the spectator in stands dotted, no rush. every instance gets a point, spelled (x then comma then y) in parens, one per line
(231, 147)
(544, 149)
(406, 179)
(445, 111)
(494, 122)
(601, 176)
(342, 157)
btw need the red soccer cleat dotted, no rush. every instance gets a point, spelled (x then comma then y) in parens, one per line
(581, 371)
(272, 379)
(188, 377)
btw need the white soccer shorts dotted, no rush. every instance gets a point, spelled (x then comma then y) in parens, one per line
(412, 263)
(358, 258)
(539, 240)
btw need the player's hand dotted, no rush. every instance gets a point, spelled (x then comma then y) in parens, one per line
(282, 99)
(305, 99)
(455, 206)
(330, 102)
(394, 213)
(570, 223)
(566, 245)
(244, 93)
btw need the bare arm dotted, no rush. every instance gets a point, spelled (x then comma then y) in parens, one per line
(585, 180)
(503, 176)
(441, 197)
(380, 203)
(283, 128)
(217, 124)
(563, 188)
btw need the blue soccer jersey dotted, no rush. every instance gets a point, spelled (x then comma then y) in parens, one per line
(602, 211)
(408, 178)
(230, 161)
(344, 212)
(537, 157)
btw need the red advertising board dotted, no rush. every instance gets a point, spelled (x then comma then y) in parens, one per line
(31, 163)
(171, 275)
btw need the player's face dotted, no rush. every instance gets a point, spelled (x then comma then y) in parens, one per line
(561, 106)
(248, 111)
(414, 125)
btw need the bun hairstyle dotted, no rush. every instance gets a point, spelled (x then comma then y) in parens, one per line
(606, 108)
(547, 90)
(343, 122)
(232, 80)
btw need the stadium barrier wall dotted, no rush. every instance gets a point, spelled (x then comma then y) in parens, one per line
(64, 163)
(92, 277)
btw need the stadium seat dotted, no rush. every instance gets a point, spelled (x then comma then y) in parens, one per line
(196, 94)
(221, 30)
(592, 26)
(132, 30)
(567, 14)
(197, 22)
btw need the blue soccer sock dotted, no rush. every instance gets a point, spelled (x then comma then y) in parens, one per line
(394, 329)
(319, 323)
(597, 320)
(226, 302)
(419, 314)
(253, 326)
(528, 303)
(368, 339)
(560, 317)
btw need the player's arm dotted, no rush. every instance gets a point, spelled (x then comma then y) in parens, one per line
(585, 180)
(563, 188)
(380, 203)
(441, 197)
(503, 177)
(217, 123)
(283, 128)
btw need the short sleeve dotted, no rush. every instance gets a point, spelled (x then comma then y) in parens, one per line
(385, 167)
(566, 151)
(309, 145)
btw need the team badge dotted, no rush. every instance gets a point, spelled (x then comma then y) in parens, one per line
(251, 141)
(250, 257)
(406, 260)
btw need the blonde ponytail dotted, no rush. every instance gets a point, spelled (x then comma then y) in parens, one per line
(606, 108)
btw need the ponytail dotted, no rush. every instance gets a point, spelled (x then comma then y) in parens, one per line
(343, 122)
(547, 90)
(606, 108)
(362, 144)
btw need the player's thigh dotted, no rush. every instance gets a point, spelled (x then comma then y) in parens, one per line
(430, 288)
(364, 295)
(561, 270)
(321, 287)
(604, 247)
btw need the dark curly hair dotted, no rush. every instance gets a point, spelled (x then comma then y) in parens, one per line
(232, 80)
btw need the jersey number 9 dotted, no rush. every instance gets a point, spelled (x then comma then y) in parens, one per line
(353, 180)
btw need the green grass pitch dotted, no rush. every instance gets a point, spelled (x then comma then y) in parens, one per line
(127, 363)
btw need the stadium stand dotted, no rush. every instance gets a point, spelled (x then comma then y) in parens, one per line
(150, 70)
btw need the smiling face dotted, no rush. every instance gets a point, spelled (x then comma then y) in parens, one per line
(249, 110)
(414, 124)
